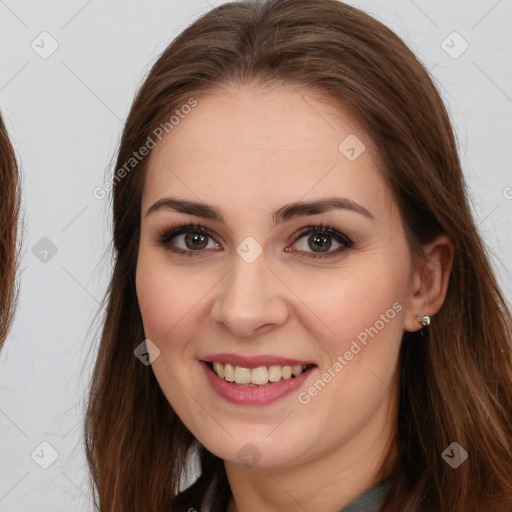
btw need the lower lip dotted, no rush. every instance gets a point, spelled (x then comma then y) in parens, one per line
(249, 395)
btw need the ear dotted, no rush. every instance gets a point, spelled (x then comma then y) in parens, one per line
(429, 282)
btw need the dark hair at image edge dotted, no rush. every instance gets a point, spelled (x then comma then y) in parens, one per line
(9, 248)
(456, 381)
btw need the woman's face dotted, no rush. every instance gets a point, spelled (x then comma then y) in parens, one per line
(249, 291)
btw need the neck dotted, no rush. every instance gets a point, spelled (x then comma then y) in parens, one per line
(326, 483)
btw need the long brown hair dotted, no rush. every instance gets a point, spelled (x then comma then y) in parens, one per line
(9, 248)
(456, 381)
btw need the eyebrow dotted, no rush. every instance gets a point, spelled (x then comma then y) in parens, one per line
(284, 213)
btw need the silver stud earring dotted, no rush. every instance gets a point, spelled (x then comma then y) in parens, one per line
(425, 320)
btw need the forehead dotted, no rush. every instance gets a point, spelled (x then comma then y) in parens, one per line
(256, 146)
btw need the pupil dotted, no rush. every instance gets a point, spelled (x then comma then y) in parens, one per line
(319, 240)
(194, 239)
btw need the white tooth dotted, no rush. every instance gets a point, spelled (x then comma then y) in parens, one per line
(229, 372)
(218, 369)
(274, 373)
(259, 375)
(286, 372)
(242, 375)
(297, 369)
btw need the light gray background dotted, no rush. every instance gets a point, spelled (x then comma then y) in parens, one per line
(65, 114)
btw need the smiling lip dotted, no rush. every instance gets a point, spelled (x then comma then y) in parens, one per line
(254, 395)
(254, 362)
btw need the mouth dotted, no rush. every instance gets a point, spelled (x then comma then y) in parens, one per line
(258, 376)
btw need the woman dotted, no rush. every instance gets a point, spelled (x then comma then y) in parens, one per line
(322, 328)
(9, 209)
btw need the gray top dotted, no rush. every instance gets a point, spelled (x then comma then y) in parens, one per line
(371, 500)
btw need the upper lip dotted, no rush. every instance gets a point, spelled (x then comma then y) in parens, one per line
(254, 361)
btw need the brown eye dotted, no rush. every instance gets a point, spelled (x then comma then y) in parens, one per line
(319, 243)
(189, 240)
(195, 240)
(320, 239)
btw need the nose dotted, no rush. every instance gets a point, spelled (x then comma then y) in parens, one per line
(251, 299)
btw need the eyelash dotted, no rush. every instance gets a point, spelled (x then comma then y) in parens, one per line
(168, 233)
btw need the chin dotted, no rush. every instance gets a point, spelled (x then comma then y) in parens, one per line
(261, 451)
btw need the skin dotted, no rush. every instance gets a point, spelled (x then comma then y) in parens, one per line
(249, 150)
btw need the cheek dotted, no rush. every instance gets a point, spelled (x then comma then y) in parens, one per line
(153, 293)
(170, 300)
(160, 303)
(362, 315)
(360, 349)
(358, 303)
